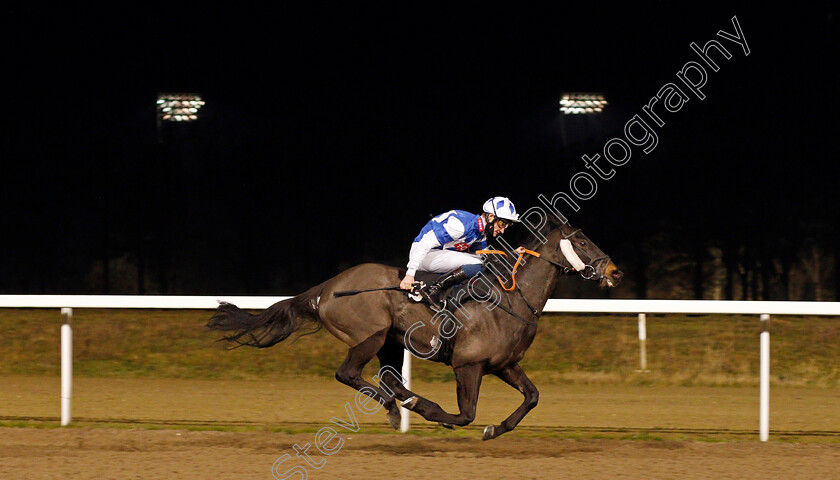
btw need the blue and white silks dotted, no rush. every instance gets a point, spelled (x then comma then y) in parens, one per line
(448, 241)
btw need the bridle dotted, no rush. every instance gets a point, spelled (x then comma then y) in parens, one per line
(588, 272)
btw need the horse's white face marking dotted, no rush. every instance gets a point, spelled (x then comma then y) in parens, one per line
(570, 254)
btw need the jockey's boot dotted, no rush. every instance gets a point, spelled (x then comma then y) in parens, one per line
(433, 291)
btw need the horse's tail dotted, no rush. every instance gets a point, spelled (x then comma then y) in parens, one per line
(272, 325)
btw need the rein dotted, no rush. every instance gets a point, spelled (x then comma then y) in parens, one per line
(562, 268)
(513, 286)
(588, 272)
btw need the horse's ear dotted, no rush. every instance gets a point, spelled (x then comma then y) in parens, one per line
(554, 222)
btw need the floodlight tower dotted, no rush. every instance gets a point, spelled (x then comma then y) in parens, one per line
(582, 103)
(576, 103)
(176, 108)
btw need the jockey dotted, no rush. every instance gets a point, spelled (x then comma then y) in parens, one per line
(447, 244)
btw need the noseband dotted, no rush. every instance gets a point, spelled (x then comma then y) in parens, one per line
(589, 272)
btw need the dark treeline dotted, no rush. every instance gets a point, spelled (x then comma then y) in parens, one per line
(791, 261)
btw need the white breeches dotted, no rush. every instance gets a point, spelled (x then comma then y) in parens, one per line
(443, 261)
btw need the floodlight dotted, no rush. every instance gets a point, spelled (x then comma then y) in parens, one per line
(582, 103)
(178, 107)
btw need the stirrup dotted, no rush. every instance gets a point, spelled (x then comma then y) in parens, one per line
(436, 304)
(414, 293)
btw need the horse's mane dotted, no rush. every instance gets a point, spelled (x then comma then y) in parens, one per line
(528, 239)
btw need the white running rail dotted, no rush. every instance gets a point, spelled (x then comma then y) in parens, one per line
(639, 307)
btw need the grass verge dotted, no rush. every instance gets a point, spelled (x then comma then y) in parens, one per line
(708, 350)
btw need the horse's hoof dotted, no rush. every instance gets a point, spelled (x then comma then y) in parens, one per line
(489, 432)
(447, 425)
(409, 403)
(394, 420)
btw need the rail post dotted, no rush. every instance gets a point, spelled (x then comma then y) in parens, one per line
(66, 365)
(642, 343)
(764, 380)
(406, 376)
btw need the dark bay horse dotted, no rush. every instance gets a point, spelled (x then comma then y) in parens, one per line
(488, 341)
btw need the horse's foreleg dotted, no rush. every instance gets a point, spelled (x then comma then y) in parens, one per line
(468, 378)
(515, 377)
(350, 372)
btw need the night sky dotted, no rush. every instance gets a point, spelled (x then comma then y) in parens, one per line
(332, 133)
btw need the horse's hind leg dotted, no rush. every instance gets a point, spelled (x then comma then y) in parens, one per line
(468, 378)
(350, 372)
(390, 378)
(515, 377)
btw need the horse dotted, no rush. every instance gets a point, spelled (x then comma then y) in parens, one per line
(383, 321)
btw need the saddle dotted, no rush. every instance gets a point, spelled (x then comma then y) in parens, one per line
(469, 290)
(479, 288)
(482, 287)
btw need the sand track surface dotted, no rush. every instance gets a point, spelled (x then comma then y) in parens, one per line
(165, 429)
(105, 453)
